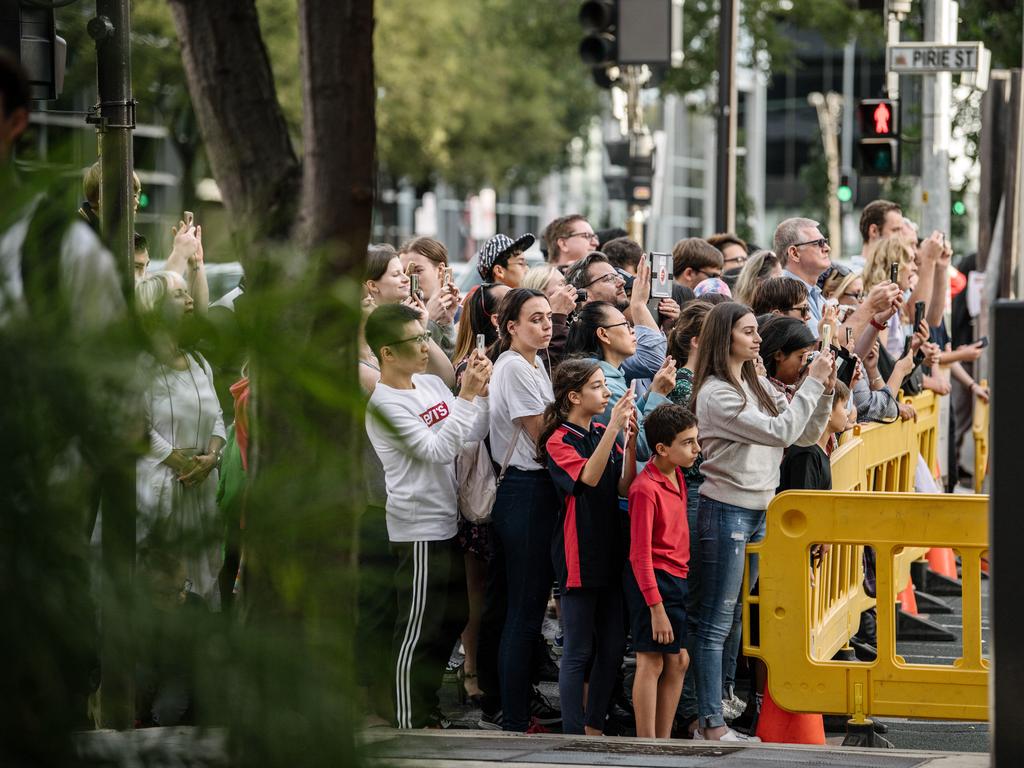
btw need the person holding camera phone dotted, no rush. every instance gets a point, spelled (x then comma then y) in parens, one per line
(425, 261)
(417, 428)
(187, 259)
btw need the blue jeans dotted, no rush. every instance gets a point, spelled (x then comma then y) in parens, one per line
(594, 631)
(724, 532)
(524, 517)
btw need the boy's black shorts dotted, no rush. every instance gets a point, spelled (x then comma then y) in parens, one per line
(673, 596)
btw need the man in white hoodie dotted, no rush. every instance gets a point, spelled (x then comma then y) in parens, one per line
(417, 428)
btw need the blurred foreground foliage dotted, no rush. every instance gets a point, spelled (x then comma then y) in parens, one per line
(274, 670)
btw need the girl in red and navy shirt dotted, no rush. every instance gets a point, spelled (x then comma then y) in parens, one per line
(588, 547)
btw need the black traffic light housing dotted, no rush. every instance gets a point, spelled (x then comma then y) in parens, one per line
(29, 32)
(879, 145)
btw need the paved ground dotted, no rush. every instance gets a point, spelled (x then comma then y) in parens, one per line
(903, 733)
(439, 749)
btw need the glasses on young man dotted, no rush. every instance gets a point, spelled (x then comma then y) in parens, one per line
(803, 309)
(591, 236)
(611, 278)
(423, 338)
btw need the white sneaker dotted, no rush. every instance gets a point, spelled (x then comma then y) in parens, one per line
(729, 735)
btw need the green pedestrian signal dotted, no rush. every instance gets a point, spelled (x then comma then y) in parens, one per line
(143, 200)
(959, 209)
(844, 193)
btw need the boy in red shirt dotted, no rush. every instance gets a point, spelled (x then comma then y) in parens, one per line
(659, 555)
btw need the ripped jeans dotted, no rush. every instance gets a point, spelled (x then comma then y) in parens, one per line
(724, 532)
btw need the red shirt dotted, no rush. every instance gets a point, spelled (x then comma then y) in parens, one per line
(659, 536)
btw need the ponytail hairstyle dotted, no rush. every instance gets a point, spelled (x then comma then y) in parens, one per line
(686, 329)
(508, 312)
(570, 376)
(477, 310)
(582, 338)
(716, 344)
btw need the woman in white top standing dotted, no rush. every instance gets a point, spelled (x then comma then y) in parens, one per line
(745, 425)
(526, 508)
(179, 529)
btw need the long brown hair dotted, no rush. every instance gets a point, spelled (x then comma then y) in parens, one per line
(687, 328)
(713, 360)
(570, 376)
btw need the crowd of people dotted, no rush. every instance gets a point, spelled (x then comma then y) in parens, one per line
(558, 440)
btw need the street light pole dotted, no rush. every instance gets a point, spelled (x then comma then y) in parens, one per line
(114, 118)
(725, 160)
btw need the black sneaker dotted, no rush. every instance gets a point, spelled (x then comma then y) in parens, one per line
(543, 711)
(490, 721)
(546, 669)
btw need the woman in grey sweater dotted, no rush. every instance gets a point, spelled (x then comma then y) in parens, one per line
(745, 425)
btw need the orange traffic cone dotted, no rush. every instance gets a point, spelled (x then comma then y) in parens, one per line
(943, 562)
(907, 600)
(779, 726)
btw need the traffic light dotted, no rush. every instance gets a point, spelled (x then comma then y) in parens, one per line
(959, 208)
(28, 30)
(621, 33)
(599, 19)
(880, 137)
(845, 190)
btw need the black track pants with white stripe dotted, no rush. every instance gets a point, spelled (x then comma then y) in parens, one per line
(430, 584)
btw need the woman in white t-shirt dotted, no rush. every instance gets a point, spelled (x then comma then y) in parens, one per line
(525, 511)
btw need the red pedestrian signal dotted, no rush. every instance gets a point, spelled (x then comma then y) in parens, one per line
(881, 116)
(878, 118)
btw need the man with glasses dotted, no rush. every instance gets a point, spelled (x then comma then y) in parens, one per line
(602, 282)
(569, 239)
(418, 427)
(695, 260)
(804, 254)
(502, 259)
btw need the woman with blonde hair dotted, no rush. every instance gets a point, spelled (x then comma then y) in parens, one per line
(179, 530)
(761, 266)
(880, 259)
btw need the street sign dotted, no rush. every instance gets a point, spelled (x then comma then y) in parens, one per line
(924, 58)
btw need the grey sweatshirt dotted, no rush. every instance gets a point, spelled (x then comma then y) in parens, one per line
(743, 445)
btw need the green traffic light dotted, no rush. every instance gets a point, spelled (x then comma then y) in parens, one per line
(845, 194)
(143, 200)
(959, 209)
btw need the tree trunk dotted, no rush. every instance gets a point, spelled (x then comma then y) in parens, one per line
(339, 128)
(242, 125)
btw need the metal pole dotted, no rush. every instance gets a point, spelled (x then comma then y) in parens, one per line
(939, 26)
(115, 120)
(849, 97)
(725, 160)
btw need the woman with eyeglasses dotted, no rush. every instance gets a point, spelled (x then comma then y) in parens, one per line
(601, 331)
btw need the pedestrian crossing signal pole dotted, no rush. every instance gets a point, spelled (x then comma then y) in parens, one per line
(114, 118)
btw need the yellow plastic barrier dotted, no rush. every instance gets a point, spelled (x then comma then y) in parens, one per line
(802, 678)
(980, 432)
(873, 457)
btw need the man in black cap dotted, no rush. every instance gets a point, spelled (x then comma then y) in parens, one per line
(501, 260)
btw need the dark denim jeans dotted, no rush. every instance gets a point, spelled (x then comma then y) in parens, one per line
(724, 532)
(524, 517)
